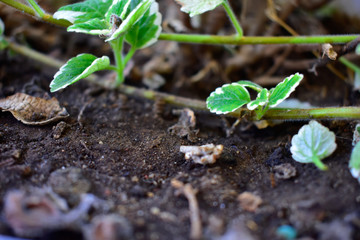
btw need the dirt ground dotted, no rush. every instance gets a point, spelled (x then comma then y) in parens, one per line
(118, 151)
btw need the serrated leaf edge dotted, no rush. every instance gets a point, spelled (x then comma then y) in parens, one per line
(296, 150)
(290, 90)
(219, 91)
(80, 76)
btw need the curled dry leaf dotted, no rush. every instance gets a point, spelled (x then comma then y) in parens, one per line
(205, 154)
(33, 110)
(329, 51)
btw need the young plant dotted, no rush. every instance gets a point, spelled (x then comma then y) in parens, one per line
(136, 22)
(313, 143)
(230, 97)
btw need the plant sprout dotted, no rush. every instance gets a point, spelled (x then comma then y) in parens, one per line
(313, 143)
(230, 97)
(136, 22)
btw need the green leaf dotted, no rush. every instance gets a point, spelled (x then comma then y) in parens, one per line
(119, 8)
(77, 68)
(313, 143)
(136, 13)
(252, 85)
(284, 89)
(94, 26)
(227, 98)
(3, 42)
(195, 7)
(261, 99)
(354, 163)
(147, 30)
(84, 11)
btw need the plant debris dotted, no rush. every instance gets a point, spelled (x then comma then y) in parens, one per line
(190, 194)
(33, 110)
(205, 154)
(249, 201)
(186, 125)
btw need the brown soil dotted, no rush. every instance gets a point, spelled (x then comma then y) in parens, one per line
(121, 151)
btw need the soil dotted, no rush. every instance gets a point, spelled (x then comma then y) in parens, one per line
(119, 149)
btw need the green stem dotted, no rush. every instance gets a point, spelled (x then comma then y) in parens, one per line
(129, 55)
(233, 40)
(349, 64)
(319, 164)
(37, 8)
(28, 10)
(211, 39)
(117, 47)
(233, 18)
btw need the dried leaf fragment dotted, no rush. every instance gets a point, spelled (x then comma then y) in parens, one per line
(205, 154)
(185, 127)
(329, 51)
(33, 110)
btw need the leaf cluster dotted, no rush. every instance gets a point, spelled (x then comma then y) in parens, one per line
(230, 97)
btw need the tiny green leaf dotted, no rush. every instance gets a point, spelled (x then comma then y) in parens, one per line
(252, 85)
(147, 30)
(134, 16)
(195, 7)
(94, 26)
(354, 163)
(313, 143)
(77, 68)
(227, 98)
(284, 89)
(261, 100)
(84, 11)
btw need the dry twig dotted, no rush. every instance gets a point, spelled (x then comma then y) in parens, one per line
(189, 192)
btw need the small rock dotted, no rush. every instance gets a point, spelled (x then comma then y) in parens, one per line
(249, 201)
(284, 171)
(205, 154)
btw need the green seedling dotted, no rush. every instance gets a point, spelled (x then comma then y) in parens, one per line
(354, 163)
(313, 143)
(230, 97)
(136, 22)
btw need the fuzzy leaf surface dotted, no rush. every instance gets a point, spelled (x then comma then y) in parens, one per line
(313, 140)
(195, 7)
(284, 89)
(227, 98)
(77, 68)
(252, 85)
(84, 11)
(147, 30)
(137, 10)
(261, 99)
